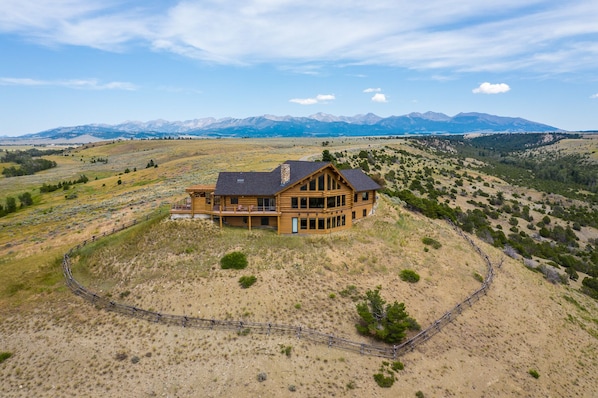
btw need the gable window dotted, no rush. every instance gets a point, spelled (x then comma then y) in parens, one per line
(365, 195)
(295, 203)
(321, 183)
(303, 187)
(329, 185)
(234, 200)
(312, 185)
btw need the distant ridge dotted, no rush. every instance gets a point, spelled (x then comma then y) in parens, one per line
(317, 125)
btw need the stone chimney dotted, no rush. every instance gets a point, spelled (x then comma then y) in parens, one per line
(285, 173)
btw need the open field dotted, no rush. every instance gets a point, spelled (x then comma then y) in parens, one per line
(62, 346)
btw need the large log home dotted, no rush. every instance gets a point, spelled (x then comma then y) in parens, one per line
(295, 198)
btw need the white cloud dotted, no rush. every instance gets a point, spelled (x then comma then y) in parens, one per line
(595, 96)
(463, 35)
(379, 97)
(320, 98)
(89, 84)
(372, 90)
(489, 88)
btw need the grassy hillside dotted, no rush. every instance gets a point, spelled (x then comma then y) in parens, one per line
(62, 346)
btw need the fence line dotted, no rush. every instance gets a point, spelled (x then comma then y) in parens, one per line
(244, 327)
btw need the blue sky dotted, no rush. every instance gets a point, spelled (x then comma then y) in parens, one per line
(72, 62)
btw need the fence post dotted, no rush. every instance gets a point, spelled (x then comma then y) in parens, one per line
(299, 332)
(330, 340)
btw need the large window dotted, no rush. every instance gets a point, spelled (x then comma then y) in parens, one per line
(316, 203)
(330, 202)
(312, 185)
(304, 203)
(321, 183)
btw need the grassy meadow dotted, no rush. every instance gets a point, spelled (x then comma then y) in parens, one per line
(63, 346)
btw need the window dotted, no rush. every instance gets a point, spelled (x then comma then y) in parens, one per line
(353, 215)
(312, 223)
(338, 221)
(328, 223)
(321, 183)
(338, 201)
(333, 222)
(303, 187)
(330, 202)
(343, 202)
(365, 195)
(329, 185)
(365, 212)
(343, 220)
(316, 203)
(303, 223)
(295, 203)
(234, 200)
(265, 220)
(304, 203)
(355, 198)
(312, 185)
(320, 223)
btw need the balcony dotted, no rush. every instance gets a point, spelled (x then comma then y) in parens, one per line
(244, 210)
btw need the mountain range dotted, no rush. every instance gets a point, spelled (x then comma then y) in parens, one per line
(317, 125)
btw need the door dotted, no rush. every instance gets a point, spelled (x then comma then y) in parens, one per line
(295, 225)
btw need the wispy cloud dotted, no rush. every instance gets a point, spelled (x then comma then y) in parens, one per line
(320, 98)
(379, 97)
(460, 35)
(489, 88)
(85, 84)
(372, 90)
(595, 96)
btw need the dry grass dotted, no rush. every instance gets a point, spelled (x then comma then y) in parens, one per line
(63, 346)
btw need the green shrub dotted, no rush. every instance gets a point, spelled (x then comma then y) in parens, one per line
(397, 365)
(431, 242)
(409, 275)
(247, 281)
(419, 394)
(233, 260)
(384, 381)
(4, 356)
(385, 322)
(534, 373)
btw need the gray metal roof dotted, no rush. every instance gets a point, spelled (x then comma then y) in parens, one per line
(269, 183)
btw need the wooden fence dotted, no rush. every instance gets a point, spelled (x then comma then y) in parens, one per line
(244, 327)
